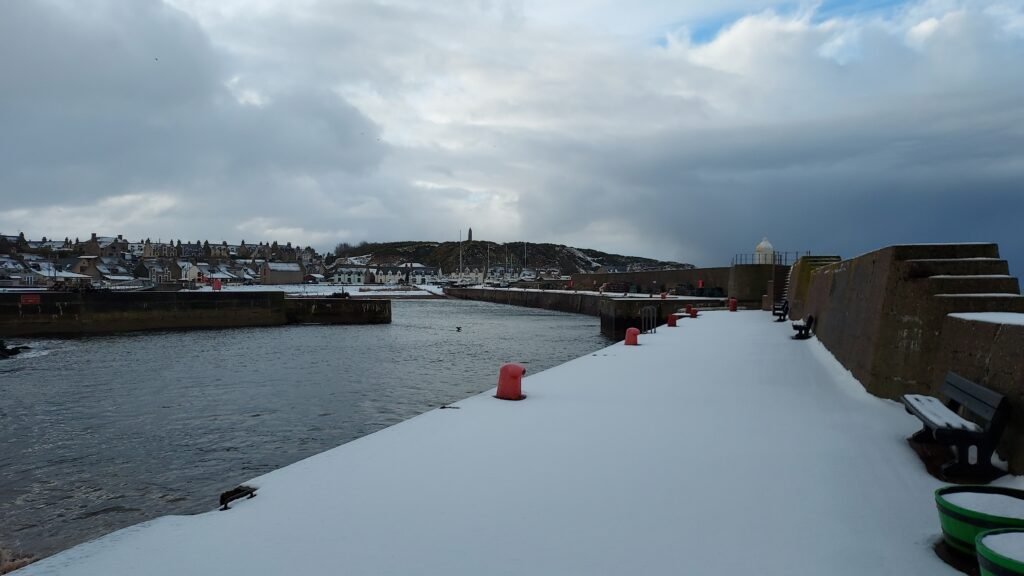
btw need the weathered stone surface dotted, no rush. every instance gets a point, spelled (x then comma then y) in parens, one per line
(588, 304)
(956, 267)
(748, 282)
(668, 279)
(621, 314)
(951, 284)
(989, 354)
(745, 282)
(617, 314)
(337, 311)
(800, 281)
(883, 320)
(72, 314)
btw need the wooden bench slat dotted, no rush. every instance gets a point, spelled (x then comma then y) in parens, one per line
(933, 410)
(958, 387)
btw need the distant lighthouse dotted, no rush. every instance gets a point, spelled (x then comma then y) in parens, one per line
(764, 253)
(469, 238)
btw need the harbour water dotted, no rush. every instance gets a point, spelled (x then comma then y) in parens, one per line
(104, 432)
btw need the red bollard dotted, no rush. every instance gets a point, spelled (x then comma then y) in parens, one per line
(510, 382)
(732, 304)
(671, 320)
(664, 295)
(689, 309)
(693, 312)
(631, 336)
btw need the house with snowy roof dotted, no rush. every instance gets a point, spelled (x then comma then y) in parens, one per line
(47, 273)
(157, 270)
(12, 272)
(209, 272)
(422, 274)
(187, 271)
(282, 273)
(221, 250)
(190, 251)
(105, 246)
(159, 250)
(347, 273)
(103, 269)
(137, 249)
(114, 269)
(243, 272)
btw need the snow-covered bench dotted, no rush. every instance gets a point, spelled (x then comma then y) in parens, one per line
(803, 329)
(780, 310)
(943, 424)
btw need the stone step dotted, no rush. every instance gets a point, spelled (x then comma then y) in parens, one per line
(955, 250)
(926, 267)
(973, 284)
(994, 302)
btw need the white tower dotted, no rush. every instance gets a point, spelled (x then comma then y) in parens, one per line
(764, 253)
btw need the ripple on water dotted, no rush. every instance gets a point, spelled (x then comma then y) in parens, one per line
(101, 433)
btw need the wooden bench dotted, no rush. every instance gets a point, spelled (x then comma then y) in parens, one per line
(943, 424)
(234, 494)
(780, 310)
(803, 329)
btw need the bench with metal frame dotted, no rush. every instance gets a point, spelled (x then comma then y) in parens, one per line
(803, 329)
(780, 310)
(943, 424)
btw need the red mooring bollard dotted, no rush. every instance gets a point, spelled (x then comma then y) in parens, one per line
(664, 295)
(671, 320)
(510, 382)
(689, 308)
(632, 334)
(693, 312)
(732, 304)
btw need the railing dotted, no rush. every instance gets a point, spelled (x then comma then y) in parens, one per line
(648, 319)
(777, 258)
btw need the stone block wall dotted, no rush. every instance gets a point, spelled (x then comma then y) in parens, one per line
(712, 277)
(338, 311)
(588, 304)
(883, 318)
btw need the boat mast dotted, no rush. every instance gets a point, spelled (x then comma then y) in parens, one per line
(460, 255)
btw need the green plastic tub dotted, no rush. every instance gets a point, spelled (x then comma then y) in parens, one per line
(993, 563)
(966, 511)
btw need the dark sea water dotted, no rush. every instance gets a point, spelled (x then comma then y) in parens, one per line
(104, 432)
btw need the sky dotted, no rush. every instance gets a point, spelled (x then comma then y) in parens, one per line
(681, 130)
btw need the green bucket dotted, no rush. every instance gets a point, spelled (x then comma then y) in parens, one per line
(961, 526)
(993, 563)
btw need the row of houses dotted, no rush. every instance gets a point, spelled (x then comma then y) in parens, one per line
(96, 271)
(119, 247)
(373, 274)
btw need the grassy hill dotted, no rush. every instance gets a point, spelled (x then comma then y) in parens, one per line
(475, 255)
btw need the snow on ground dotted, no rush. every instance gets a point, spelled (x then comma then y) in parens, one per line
(324, 290)
(992, 317)
(719, 447)
(435, 290)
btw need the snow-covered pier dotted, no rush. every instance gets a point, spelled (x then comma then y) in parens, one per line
(718, 447)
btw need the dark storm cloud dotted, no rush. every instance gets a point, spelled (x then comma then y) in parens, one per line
(133, 96)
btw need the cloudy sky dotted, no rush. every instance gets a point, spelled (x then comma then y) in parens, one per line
(679, 129)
